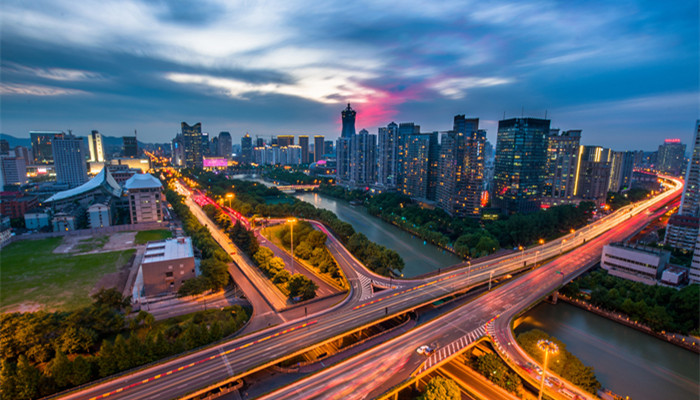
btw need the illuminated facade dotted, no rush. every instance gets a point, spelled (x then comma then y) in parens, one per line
(69, 160)
(192, 145)
(348, 117)
(562, 163)
(387, 160)
(42, 149)
(97, 153)
(319, 148)
(419, 166)
(670, 157)
(304, 144)
(520, 166)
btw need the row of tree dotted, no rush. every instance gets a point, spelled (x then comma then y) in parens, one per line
(497, 371)
(293, 177)
(310, 245)
(659, 307)
(214, 266)
(619, 200)
(252, 200)
(563, 363)
(43, 353)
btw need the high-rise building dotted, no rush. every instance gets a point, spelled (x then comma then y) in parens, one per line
(343, 155)
(192, 143)
(246, 149)
(97, 153)
(670, 157)
(290, 155)
(69, 160)
(683, 227)
(461, 168)
(562, 163)
(348, 116)
(328, 147)
(419, 166)
(387, 156)
(178, 151)
(130, 146)
(363, 159)
(621, 168)
(23, 153)
(206, 147)
(319, 148)
(521, 158)
(694, 271)
(41, 145)
(304, 144)
(225, 144)
(259, 142)
(406, 129)
(593, 173)
(285, 140)
(13, 171)
(214, 147)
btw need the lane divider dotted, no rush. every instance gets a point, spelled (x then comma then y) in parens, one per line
(220, 354)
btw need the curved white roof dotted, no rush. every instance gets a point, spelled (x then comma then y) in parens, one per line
(142, 181)
(102, 180)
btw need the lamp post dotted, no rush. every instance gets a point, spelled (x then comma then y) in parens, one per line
(292, 221)
(230, 196)
(536, 254)
(561, 246)
(469, 273)
(548, 347)
(490, 277)
(522, 254)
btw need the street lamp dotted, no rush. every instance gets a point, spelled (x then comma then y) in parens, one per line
(522, 254)
(469, 272)
(230, 196)
(292, 221)
(541, 241)
(548, 347)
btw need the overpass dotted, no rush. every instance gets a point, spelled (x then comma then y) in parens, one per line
(198, 372)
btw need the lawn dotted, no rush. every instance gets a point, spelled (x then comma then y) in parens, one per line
(149, 236)
(32, 275)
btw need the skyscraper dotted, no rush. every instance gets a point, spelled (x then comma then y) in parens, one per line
(225, 144)
(205, 145)
(130, 146)
(683, 227)
(97, 153)
(246, 149)
(521, 157)
(318, 148)
(192, 143)
(69, 160)
(348, 116)
(304, 144)
(328, 147)
(562, 163)
(363, 159)
(343, 156)
(41, 145)
(594, 170)
(405, 130)
(285, 140)
(670, 157)
(178, 151)
(419, 166)
(621, 168)
(13, 171)
(461, 168)
(387, 156)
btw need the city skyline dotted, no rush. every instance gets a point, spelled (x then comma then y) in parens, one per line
(149, 66)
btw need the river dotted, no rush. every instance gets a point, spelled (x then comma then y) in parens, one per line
(419, 257)
(626, 361)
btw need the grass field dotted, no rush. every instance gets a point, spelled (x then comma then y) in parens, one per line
(31, 274)
(148, 236)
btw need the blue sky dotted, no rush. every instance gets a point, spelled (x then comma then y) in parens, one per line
(626, 72)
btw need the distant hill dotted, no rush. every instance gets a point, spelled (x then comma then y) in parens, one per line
(14, 142)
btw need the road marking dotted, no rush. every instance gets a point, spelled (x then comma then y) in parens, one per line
(228, 366)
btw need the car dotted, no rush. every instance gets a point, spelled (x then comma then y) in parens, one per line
(425, 350)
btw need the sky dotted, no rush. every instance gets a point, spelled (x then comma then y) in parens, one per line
(625, 72)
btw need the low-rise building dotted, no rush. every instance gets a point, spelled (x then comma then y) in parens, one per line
(36, 220)
(637, 263)
(16, 204)
(165, 266)
(63, 222)
(674, 276)
(5, 230)
(99, 215)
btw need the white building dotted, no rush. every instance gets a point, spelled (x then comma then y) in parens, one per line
(639, 263)
(144, 192)
(63, 222)
(35, 221)
(166, 265)
(99, 215)
(97, 153)
(13, 171)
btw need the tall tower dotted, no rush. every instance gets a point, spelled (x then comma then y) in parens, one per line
(521, 157)
(192, 138)
(97, 153)
(304, 143)
(246, 149)
(319, 150)
(683, 227)
(388, 148)
(69, 160)
(225, 144)
(348, 116)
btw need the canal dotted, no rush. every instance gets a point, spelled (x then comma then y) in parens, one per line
(420, 257)
(626, 361)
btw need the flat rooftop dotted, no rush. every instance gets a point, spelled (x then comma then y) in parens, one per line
(168, 249)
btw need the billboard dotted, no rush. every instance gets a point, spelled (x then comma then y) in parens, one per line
(215, 162)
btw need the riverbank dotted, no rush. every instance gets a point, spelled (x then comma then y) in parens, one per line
(687, 342)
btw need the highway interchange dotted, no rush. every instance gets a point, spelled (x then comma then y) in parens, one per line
(371, 373)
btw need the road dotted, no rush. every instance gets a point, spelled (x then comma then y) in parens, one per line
(372, 372)
(346, 380)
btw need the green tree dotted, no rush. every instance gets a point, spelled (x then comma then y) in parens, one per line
(440, 388)
(8, 379)
(61, 369)
(111, 298)
(28, 377)
(281, 277)
(107, 360)
(81, 371)
(301, 286)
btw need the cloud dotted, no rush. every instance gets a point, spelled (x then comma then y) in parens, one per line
(456, 88)
(56, 74)
(36, 90)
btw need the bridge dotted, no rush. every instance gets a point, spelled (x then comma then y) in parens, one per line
(296, 188)
(392, 363)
